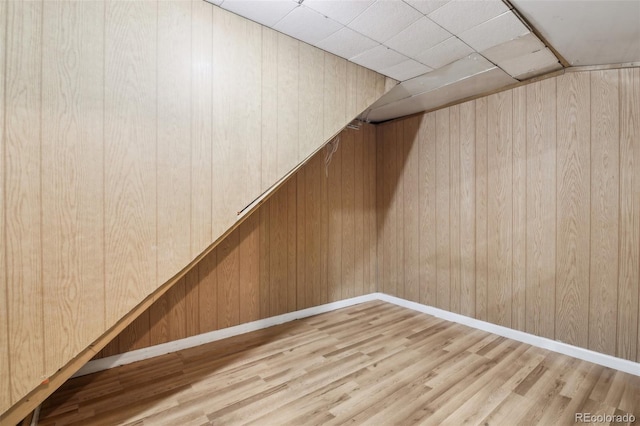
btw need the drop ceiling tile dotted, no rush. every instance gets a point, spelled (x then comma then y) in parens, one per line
(379, 58)
(539, 71)
(459, 70)
(347, 43)
(459, 15)
(339, 10)
(405, 70)
(427, 6)
(513, 48)
(265, 12)
(494, 32)
(384, 19)
(418, 37)
(444, 53)
(394, 110)
(216, 2)
(307, 25)
(529, 62)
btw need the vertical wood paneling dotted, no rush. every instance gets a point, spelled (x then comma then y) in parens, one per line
(291, 219)
(454, 205)
(335, 88)
(388, 211)
(605, 187)
(303, 291)
(573, 201)
(23, 198)
(366, 88)
(174, 138)
(361, 220)
(265, 259)
(137, 337)
(208, 293)
(269, 91)
(278, 254)
(399, 201)
(72, 178)
(347, 213)
(443, 218)
(467, 209)
(629, 251)
(499, 207)
(287, 147)
(334, 221)
(371, 182)
(201, 126)
(130, 154)
(351, 106)
(310, 99)
(228, 279)
(249, 264)
(427, 200)
(192, 302)
(518, 298)
(176, 314)
(411, 219)
(541, 207)
(312, 217)
(5, 389)
(482, 183)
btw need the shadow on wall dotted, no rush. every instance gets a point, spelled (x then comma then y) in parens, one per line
(312, 242)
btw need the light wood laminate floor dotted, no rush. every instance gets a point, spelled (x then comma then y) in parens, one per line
(374, 363)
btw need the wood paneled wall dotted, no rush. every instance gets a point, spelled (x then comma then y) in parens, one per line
(521, 208)
(132, 135)
(312, 242)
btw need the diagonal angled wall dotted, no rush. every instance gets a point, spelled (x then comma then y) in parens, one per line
(133, 134)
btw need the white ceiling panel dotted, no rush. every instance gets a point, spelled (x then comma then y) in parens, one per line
(418, 37)
(458, 70)
(406, 70)
(525, 64)
(379, 58)
(427, 6)
(266, 12)
(216, 2)
(587, 32)
(539, 71)
(523, 45)
(339, 10)
(459, 15)
(494, 32)
(384, 19)
(444, 53)
(347, 43)
(307, 25)
(486, 81)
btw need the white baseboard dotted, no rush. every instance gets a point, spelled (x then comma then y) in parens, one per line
(541, 342)
(200, 339)
(140, 354)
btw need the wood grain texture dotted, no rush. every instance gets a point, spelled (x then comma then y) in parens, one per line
(405, 367)
(360, 217)
(174, 138)
(411, 217)
(23, 197)
(443, 218)
(547, 208)
(605, 187)
(629, 249)
(573, 204)
(201, 126)
(269, 91)
(499, 207)
(256, 271)
(72, 178)
(427, 200)
(335, 88)
(334, 220)
(467, 209)
(130, 155)
(5, 386)
(482, 236)
(310, 100)
(541, 207)
(287, 155)
(454, 205)
(519, 236)
(400, 201)
(347, 213)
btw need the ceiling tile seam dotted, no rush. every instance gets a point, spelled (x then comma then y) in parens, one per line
(287, 14)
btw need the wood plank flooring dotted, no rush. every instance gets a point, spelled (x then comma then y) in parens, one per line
(374, 363)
